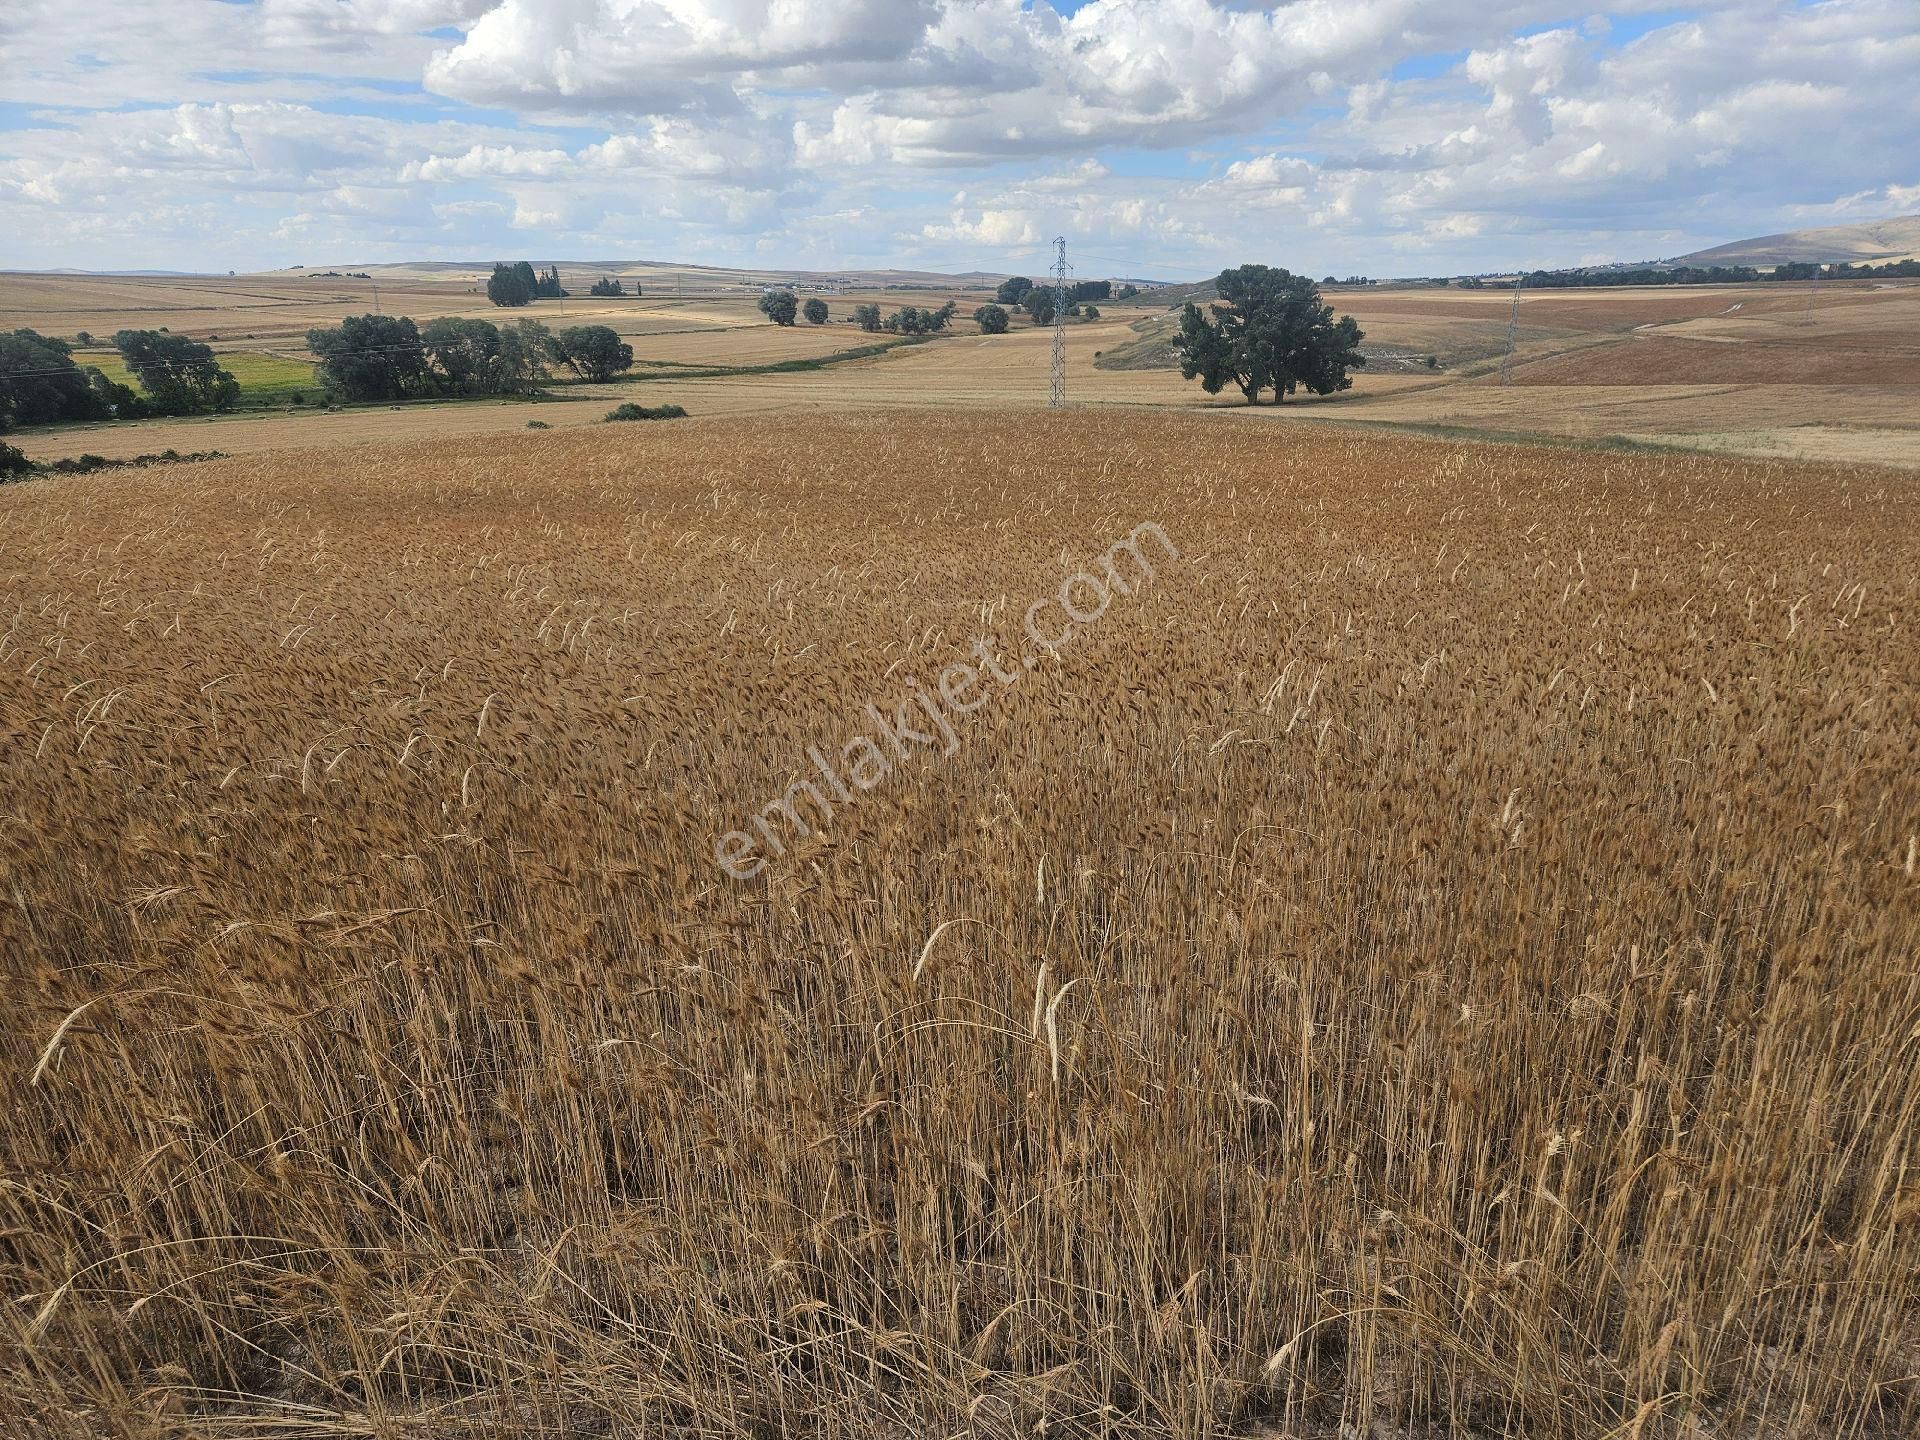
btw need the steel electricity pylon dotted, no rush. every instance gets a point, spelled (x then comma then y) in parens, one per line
(1057, 395)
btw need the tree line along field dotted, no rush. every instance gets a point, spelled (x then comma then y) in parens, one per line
(1437, 958)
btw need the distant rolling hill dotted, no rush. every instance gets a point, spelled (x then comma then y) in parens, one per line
(662, 276)
(1897, 239)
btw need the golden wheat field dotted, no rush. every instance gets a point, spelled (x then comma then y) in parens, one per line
(1437, 958)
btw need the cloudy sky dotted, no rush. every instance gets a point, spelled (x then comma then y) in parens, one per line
(1163, 137)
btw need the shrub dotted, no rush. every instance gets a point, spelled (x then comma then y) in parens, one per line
(543, 425)
(631, 411)
(70, 466)
(86, 464)
(13, 461)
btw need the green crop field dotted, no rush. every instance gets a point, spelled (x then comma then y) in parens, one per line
(264, 379)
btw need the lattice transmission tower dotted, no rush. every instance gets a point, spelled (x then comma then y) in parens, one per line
(1057, 395)
(1513, 333)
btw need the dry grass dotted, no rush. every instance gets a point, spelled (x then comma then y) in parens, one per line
(1485, 879)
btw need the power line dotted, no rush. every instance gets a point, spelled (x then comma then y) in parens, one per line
(182, 366)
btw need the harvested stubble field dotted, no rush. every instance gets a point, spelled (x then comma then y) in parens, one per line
(1439, 957)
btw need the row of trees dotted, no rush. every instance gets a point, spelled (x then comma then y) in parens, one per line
(388, 357)
(918, 320)
(1270, 330)
(1891, 270)
(994, 319)
(1678, 275)
(1797, 271)
(783, 307)
(40, 383)
(1020, 293)
(1793, 271)
(519, 284)
(907, 320)
(1016, 291)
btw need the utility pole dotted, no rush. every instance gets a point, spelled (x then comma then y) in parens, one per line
(1513, 332)
(1812, 290)
(1057, 393)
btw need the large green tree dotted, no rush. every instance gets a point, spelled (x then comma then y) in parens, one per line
(780, 306)
(593, 352)
(992, 319)
(1013, 290)
(512, 284)
(372, 357)
(1269, 330)
(40, 384)
(477, 357)
(462, 350)
(520, 364)
(180, 376)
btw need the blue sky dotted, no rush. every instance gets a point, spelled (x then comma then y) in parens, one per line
(1165, 138)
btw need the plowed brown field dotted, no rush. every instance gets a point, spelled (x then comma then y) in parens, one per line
(1708, 362)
